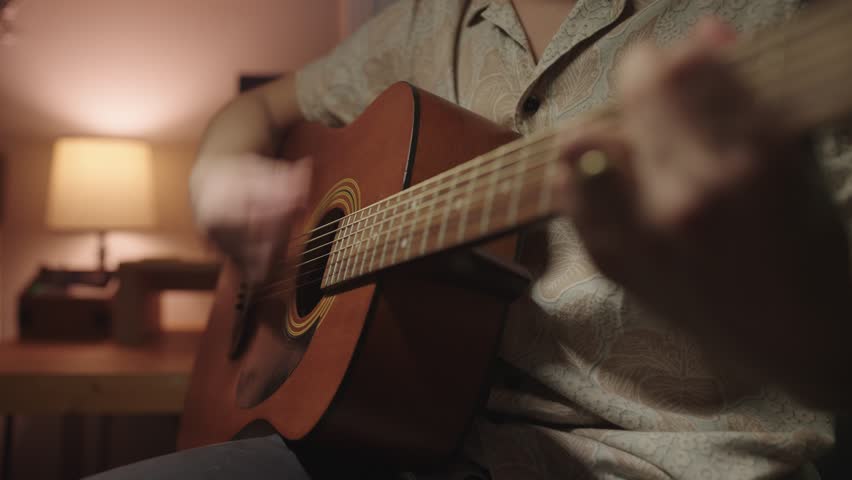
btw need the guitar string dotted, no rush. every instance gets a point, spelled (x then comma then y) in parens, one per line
(413, 221)
(418, 220)
(804, 24)
(266, 293)
(309, 277)
(473, 163)
(477, 175)
(472, 185)
(409, 195)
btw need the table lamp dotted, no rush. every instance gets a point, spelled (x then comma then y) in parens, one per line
(100, 184)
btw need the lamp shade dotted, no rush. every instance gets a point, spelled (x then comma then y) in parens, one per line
(100, 184)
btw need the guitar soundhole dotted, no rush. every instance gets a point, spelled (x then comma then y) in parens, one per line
(314, 262)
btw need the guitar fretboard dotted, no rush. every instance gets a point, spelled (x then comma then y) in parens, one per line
(493, 193)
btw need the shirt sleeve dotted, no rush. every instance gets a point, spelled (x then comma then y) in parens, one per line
(336, 88)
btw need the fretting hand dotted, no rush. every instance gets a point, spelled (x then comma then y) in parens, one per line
(714, 217)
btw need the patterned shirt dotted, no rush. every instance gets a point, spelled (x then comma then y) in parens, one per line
(594, 387)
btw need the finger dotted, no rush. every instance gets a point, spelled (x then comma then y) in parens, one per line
(276, 199)
(690, 85)
(707, 40)
(599, 191)
(264, 246)
(295, 180)
(281, 187)
(680, 113)
(596, 168)
(276, 195)
(256, 261)
(303, 170)
(714, 32)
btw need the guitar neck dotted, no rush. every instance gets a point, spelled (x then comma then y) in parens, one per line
(803, 70)
(492, 194)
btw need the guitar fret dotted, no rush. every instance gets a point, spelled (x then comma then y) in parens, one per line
(397, 240)
(387, 235)
(328, 275)
(374, 237)
(520, 174)
(447, 209)
(365, 242)
(546, 189)
(340, 253)
(492, 189)
(466, 201)
(344, 247)
(428, 223)
(347, 249)
(409, 239)
(352, 246)
(359, 244)
(348, 252)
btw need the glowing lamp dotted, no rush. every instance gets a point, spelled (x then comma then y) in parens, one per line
(99, 184)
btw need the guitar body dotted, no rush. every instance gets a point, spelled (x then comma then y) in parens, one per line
(390, 369)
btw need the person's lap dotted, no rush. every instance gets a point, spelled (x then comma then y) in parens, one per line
(262, 457)
(259, 458)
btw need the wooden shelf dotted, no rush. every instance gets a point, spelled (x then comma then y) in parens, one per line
(98, 377)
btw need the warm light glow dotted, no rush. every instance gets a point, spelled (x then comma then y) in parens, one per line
(100, 184)
(153, 70)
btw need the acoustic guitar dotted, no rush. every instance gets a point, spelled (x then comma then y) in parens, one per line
(376, 333)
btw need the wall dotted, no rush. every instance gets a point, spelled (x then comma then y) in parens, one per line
(2, 210)
(156, 69)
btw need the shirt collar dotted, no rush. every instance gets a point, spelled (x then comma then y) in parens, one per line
(596, 15)
(586, 19)
(501, 14)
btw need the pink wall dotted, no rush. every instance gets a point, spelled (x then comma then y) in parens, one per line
(156, 68)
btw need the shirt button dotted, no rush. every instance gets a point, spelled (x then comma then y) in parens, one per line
(531, 104)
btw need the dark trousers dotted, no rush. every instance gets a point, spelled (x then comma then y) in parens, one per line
(258, 458)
